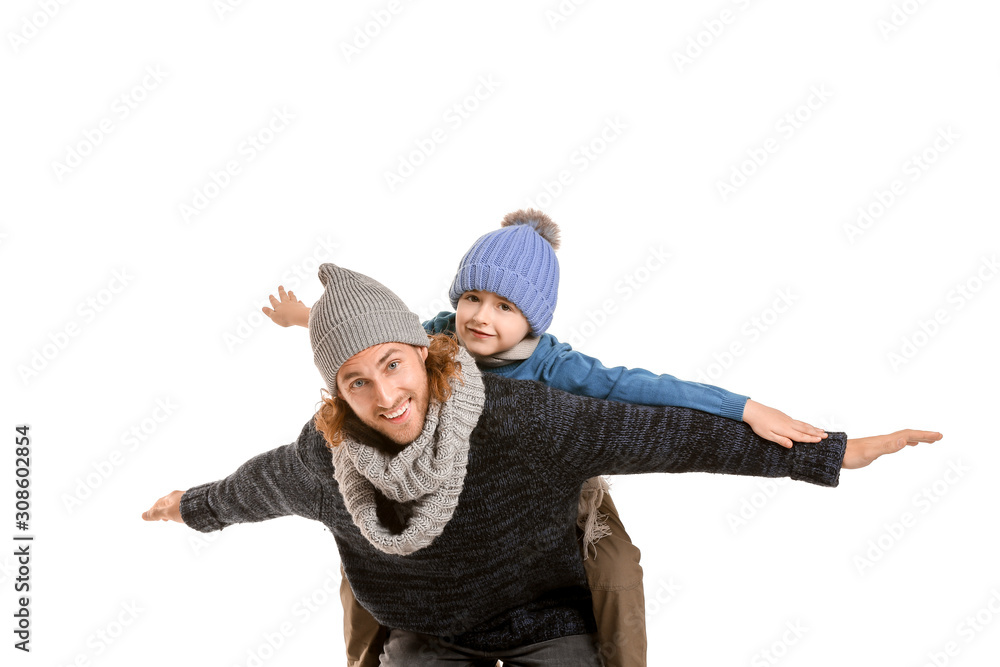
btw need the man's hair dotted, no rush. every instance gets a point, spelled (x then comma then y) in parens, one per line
(442, 365)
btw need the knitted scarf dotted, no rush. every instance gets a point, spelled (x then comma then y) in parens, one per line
(519, 352)
(425, 479)
(592, 523)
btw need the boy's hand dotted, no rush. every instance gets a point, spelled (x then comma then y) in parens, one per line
(776, 426)
(288, 311)
(862, 451)
(167, 508)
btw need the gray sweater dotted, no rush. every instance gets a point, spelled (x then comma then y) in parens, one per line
(507, 569)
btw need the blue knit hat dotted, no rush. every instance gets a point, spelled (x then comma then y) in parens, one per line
(518, 262)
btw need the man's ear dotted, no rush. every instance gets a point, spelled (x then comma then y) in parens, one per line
(423, 350)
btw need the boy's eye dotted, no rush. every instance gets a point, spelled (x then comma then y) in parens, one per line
(504, 306)
(472, 297)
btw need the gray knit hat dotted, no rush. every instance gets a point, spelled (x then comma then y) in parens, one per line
(355, 313)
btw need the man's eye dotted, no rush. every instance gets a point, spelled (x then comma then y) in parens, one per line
(393, 365)
(357, 384)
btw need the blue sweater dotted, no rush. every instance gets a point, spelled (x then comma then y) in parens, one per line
(558, 365)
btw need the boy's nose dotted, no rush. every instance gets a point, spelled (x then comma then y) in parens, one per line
(482, 315)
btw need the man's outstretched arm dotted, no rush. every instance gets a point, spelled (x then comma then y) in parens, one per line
(595, 437)
(272, 484)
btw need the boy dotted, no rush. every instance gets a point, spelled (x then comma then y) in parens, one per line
(505, 294)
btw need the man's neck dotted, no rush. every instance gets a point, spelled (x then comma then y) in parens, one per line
(361, 432)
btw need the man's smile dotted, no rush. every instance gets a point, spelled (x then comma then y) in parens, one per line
(398, 415)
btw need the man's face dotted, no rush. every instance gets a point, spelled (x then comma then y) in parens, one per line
(488, 323)
(386, 387)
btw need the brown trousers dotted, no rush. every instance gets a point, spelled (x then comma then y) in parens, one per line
(615, 579)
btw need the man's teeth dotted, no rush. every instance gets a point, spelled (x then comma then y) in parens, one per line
(393, 415)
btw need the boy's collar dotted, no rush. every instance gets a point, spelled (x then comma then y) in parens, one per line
(519, 352)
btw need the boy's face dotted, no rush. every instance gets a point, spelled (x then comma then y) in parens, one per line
(386, 387)
(487, 323)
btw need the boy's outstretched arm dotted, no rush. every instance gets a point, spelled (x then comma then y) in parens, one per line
(565, 368)
(572, 371)
(776, 426)
(288, 310)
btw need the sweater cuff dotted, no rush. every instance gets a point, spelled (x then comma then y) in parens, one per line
(732, 406)
(196, 512)
(819, 463)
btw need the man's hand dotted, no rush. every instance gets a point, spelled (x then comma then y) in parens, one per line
(288, 310)
(167, 508)
(862, 451)
(776, 426)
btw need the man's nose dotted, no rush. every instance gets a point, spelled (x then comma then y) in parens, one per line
(385, 392)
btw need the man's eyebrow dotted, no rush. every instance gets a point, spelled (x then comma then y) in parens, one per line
(349, 375)
(388, 353)
(352, 374)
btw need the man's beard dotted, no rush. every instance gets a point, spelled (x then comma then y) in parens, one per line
(368, 435)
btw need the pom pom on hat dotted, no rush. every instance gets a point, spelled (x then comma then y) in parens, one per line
(542, 224)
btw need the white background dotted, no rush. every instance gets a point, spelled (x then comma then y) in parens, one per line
(180, 325)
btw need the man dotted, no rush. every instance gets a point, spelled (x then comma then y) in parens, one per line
(452, 495)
